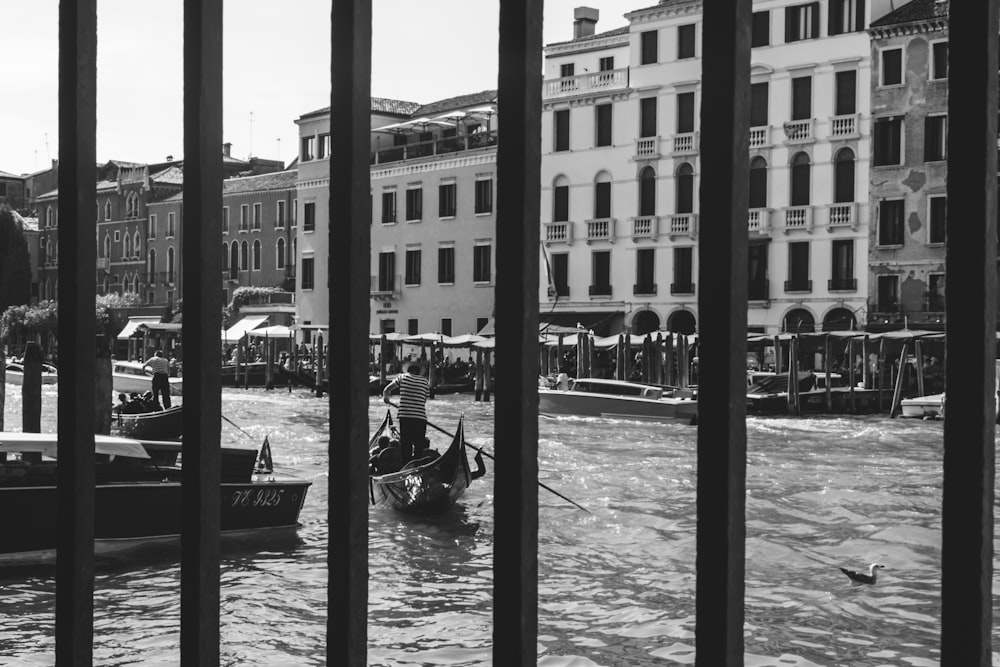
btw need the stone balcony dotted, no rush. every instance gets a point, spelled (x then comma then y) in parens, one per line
(584, 84)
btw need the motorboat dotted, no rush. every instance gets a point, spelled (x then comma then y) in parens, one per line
(129, 377)
(930, 406)
(15, 373)
(137, 493)
(599, 397)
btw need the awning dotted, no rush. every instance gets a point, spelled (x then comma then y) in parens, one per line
(161, 327)
(133, 324)
(602, 323)
(236, 332)
(276, 331)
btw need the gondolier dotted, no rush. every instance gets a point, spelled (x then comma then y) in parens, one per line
(413, 392)
(161, 377)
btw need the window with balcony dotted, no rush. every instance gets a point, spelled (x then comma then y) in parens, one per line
(937, 214)
(936, 138)
(645, 276)
(802, 98)
(279, 254)
(647, 191)
(309, 216)
(846, 16)
(446, 265)
(757, 283)
(891, 71)
(683, 271)
(760, 30)
(560, 118)
(606, 64)
(685, 41)
(759, 93)
(414, 204)
(800, 180)
(308, 149)
(939, 60)
(279, 214)
(602, 196)
(684, 189)
(802, 22)
(171, 225)
(446, 200)
(256, 255)
(685, 113)
(758, 183)
(842, 266)
(887, 140)
(560, 273)
(388, 207)
(151, 227)
(600, 273)
(843, 176)
(798, 268)
(481, 263)
(257, 213)
(560, 203)
(386, 271)
(484, 196)
(602, 119)
(567, 70)
(648, 47)
(887, 294)
(846, 85)
(412, 273)
(306, 273)
(890, 222)
(647, 117)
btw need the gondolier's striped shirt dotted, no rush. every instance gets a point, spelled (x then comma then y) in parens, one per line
(158, 365)
(413, 393)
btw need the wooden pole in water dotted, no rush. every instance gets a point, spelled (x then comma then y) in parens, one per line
(880, 369)
(793, 406)
(620, 358)
(851, 376)
(318, 354)
(479, 375)
(828, 368)
(559, 354)
(671, 373)
(660, 374)
(897, 394)
(431, 367)
(591, 355)
(487, 376)
(866, 375)
(919, 357)
(777, 354)
(31, 390)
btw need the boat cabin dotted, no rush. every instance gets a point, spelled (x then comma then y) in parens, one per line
(617, 388)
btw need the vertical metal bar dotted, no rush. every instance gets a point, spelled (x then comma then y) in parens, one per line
(722, 306)
(77, 330)
(515, 566)
(969, 429)
(200, 332)
(349, 240)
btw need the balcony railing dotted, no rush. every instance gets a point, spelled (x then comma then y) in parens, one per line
(843, 215)
(103, 263)
(798, 217)
(682, 224)
(644, 289)
(439, 146)
(558, 232)
(645, 227)
(602, 229)
(845, 126)
(798, 286)
(600, 290)
(686, 144)
(682, 288)
(386, 287)
(647, 148)
(759, 220)
(759, 290)
(760, 136)
(615, 79)
(799, 131)
(842, 285)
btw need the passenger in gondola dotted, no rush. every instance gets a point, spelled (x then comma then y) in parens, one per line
(413, 392)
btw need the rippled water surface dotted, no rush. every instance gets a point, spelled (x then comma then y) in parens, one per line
(615, 587)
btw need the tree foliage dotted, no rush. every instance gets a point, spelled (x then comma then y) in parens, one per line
(15, 262)
(29, 322)
(243, 296)
(106, 302)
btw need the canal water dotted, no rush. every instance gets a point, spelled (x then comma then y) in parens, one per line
(616, 587)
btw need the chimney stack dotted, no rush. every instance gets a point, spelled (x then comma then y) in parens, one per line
(226, 148)
(584, 21)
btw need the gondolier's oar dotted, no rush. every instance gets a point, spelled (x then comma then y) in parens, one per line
(491, 457)
(238, 427)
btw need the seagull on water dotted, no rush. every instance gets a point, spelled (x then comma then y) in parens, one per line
(861, 577)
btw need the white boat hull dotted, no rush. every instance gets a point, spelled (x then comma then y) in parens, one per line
(556, 402)
(921, 407)
(138, 384)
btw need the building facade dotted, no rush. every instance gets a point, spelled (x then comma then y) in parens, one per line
(12, 191)
(620, 169)
(432, 216)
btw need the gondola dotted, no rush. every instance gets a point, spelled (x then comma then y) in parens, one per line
(157, 425)
(428, 485)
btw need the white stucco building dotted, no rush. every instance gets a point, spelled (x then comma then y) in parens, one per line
(621, 168)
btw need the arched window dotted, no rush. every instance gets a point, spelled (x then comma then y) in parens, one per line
(800, 180)
(244, 256)
(843, 176)
(135, 283)
(256, 255)
(48, 216)
(602, 196)
(126, 246)
(136, 245)
(107, 284)
(107, 209)
(560, 200)
(151, 266)
(279, 255)
(234, 260)
(758, 183)
(48, 251)
(225, 256)
(685, 189)
(170, 264)
(647, 191)
(107, 246)
(295, 250)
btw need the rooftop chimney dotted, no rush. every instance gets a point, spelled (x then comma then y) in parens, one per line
(226, 148)
(584, 21)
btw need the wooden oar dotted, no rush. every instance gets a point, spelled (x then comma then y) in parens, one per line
(491, 457)
(238, 427)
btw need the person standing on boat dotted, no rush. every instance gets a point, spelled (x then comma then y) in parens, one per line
(161, 377)
(413, 392)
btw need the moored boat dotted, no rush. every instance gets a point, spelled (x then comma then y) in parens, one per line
(156, 425)
(137, 493)
(597, 397)
(428, 485)
(923, 407)
(14, 373)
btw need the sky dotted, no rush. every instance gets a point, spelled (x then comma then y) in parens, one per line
(276, 58)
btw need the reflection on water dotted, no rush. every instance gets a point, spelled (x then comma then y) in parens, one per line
(616, 587)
